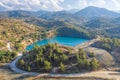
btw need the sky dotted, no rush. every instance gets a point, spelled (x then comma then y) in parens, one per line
(57, 5)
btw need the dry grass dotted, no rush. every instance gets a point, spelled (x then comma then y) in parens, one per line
(102, 55)
(13, 30)
(7, 74)
(71, 78)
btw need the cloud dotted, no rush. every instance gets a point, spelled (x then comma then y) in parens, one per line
(3, 6)
(56, 5)
(52, 5)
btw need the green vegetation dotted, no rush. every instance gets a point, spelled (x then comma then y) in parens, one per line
(45, 58)
(19, 47)
(85, 24)
(108, 43)
(94, 64)
(64, 28)
(74, 31)
(62, 67)
(83, 63)
(47, 65)
(17, 33)
(6, 56)
(91, 54)
(20, 34)
(95, 21)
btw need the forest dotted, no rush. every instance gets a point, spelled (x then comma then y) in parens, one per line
(46, 58)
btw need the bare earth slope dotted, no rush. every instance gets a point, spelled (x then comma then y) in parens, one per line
(102, 55)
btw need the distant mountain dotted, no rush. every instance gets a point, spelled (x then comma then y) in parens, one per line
(116, 21)
(42, 12)
(44, 23)
(108, 26)
(99, 23)
(49, 16)
(16, 14)
(62, 16)
(94, 12)
(92, 18)
(78, 18)
(84, 14)
(72, 11)
(102, 23)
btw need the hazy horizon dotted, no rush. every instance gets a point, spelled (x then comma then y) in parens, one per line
(57, 5)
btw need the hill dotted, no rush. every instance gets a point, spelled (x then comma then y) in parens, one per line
(62, 16)
(75, 31)
(41, 14)
(16, 14)
(110, 44)
(17, 32)
(106, 26)
(92, 19)
(94, 12)
(63, 28)
(55, 58)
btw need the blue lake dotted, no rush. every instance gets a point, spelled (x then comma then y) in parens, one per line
(68, 41)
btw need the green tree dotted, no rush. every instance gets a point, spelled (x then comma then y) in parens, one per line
(14, 54)
(28, 68)
(62, 67)
(37, 57)
(80, 63)
(47, 65)
(91, 54)
(21, 62)
(106, 46)
(81, 54)
(69, 51)
(94, 64)
(19, 46)
(86, 64)
(50, 55)
(63, 57)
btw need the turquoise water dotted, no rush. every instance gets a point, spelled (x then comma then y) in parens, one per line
(68, 41)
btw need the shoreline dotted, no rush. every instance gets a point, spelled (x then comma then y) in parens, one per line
(99, 73)
(86, 44)
(58, 43)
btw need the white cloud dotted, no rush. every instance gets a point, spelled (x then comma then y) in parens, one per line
(56, 5)
(32, 4)
(4, 6)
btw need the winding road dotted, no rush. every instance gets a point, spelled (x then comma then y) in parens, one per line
(17, 70)
(102, 74)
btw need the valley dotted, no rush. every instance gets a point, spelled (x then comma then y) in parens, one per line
(52, 45)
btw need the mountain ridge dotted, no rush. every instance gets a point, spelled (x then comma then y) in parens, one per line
(93, 12)
(90, 18)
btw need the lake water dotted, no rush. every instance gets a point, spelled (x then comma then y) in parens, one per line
(68, 41)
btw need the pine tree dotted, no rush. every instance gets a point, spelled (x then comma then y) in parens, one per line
(28, 68)
(47, 65)
(81, 54)
(62, 67)
(94, 64)
(22, 62)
